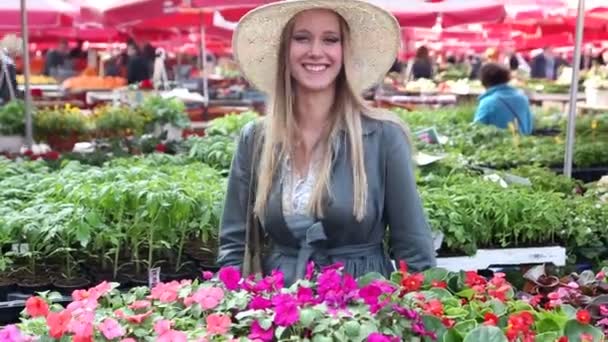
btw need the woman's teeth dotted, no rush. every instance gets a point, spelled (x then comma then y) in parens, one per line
(315, 68)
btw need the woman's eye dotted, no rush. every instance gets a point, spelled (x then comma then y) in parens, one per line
(332, 40)
(300, 38)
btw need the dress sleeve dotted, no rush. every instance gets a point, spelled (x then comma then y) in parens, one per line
(410, 235)
(234, 217)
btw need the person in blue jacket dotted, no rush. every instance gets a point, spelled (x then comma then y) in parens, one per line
(502, 104)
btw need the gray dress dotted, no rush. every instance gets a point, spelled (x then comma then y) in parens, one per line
(393, 201)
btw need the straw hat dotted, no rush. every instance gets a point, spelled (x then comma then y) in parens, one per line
(375, 40)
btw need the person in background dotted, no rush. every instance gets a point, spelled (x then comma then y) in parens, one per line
(546, 65)
(502, 104)
(423, 65)
(78, 52)
(56, 58)
(8, 78)
(475, 66)
(137, 66)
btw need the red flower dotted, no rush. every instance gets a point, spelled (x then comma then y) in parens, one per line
(439, 284)
(473, 279)
(58, 323)
(563, 339)
(36, 307)
(28, 153)
(433, 307)
(412, 282)
(51, 155)
(448, 323)
(160, 148)
(490, 319)
(583, 316)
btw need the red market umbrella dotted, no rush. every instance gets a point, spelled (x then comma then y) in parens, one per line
(41, 14)
(448, 12)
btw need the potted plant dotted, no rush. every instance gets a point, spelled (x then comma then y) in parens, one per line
(169, 117)
(12, 126)
(118, 122)
(596, 90)
(61, 127)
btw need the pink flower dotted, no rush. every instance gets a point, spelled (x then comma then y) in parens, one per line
(82, 325)
(604, 310)
(231, 277)
(208, 297)
(286, 309)
(173, 336)
(139, 305)
(165, 292)
(111, 329)
(259, 303)
(258, 333)
(207, 275)
(128, 340)
(162, 326)
(218, 324)
(11, 333)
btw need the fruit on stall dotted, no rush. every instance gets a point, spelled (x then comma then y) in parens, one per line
(37, 79)
(93, 82)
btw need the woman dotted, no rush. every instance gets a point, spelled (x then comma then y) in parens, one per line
(502, 104)
(423, 65)
(333, 173)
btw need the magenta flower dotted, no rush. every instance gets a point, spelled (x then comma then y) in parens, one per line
(231, 277)
(286, 310)
(378, 337)
(258, 333)
(310, 269)
(111, 329)
(207, 275)
(11, 333)
(407, 313)
(259, 303)
(305, 296)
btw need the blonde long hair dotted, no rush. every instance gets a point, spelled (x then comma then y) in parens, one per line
(280, 128)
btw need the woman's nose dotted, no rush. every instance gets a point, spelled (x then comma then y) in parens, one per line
(316, 49)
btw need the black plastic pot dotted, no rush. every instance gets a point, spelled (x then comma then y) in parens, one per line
(67, 286)
(586, 174)
(32, 286)
(6, 286)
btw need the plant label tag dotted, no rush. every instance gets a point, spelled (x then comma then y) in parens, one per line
(153, 277)
(428, 135)
(24, 248)
(15, 248)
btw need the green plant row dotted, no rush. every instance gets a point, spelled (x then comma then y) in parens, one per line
(138, 212)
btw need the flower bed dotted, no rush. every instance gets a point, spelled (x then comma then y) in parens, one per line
(327, 306)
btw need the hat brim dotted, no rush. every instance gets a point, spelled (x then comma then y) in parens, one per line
(375, 40)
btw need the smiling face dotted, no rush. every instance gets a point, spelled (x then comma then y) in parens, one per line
(315, 50)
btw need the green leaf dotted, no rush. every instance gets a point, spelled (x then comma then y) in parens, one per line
(140, 332)
(464, 327)
(498, 307)
(569, 310)
(369, 278)
(486, 334)
(278, 333)
(321, 338)
(547, 325)
(307, 316)
(574, 329)
(432, 323)
(546, 337)
(436, 273)
(441, 293)
(452, 336)
(466, 293)
(352, 328)
(265, 323)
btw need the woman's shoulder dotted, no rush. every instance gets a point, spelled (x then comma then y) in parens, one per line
(385, 122)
